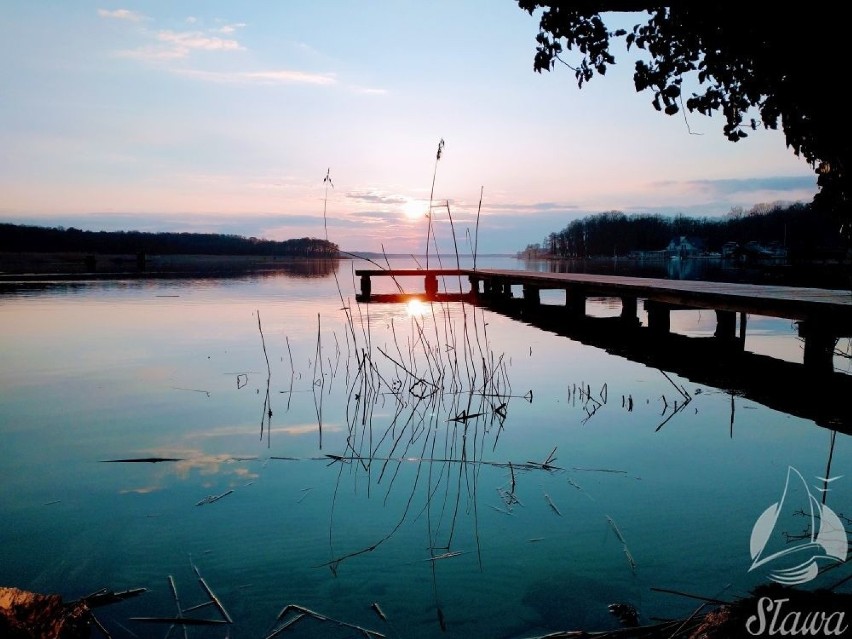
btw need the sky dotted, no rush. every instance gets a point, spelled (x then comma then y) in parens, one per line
(224, 117)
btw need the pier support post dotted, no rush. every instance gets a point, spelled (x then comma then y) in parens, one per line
(474, 285)
(575, 302)
(366, 287)
(532, 296)
(629, 310)
(431, 286)
(659, 317)
(488, 287)
(819, 347)
(726, 329)
(726, 325)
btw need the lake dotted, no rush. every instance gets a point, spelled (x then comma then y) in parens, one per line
(460, 472)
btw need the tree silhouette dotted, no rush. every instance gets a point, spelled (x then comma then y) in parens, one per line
(758, 66)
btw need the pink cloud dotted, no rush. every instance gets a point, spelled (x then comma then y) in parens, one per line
(121, 14)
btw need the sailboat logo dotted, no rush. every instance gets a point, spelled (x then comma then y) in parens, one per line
(824, 539)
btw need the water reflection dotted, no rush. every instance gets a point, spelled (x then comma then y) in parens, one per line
(780, 384)
(178, 272)
(416, 307)
(469, 462)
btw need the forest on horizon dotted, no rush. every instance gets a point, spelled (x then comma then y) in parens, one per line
(38, 239)
(804, 231)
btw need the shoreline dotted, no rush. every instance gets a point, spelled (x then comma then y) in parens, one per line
(69, 265)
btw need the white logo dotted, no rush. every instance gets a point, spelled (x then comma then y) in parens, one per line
(824, 539)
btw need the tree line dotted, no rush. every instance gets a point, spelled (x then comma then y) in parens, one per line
(38, 239)
(803, 230)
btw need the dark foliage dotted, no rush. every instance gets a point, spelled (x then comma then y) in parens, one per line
(36, 239)
(756, 66)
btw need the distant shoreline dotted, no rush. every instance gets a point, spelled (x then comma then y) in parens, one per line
(70, 264)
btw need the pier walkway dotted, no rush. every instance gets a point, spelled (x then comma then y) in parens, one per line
(822, 315)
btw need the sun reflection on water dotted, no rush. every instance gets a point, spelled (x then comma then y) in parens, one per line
(416, 308)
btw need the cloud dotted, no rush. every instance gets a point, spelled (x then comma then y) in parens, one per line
(306, 429)
(145, 490)
(746, 185)
(535, 207)
(172, 45)
(289, 77)
(368, 90)
(229, 28)
(269, 78)
(153, 53)
(190, 40)
(176, 45)
(122, 14)
(374, 197)
(359, 218)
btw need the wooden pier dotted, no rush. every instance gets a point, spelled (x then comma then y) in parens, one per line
(822, 315)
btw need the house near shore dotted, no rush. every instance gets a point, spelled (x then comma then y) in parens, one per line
(685, 246)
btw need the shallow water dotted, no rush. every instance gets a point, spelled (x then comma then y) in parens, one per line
(512, 479)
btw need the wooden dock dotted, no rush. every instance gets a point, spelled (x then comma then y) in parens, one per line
(822, 315)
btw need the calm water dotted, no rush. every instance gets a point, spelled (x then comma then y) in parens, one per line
(457, 467)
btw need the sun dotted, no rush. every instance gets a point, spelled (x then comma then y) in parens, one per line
(414, 209)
